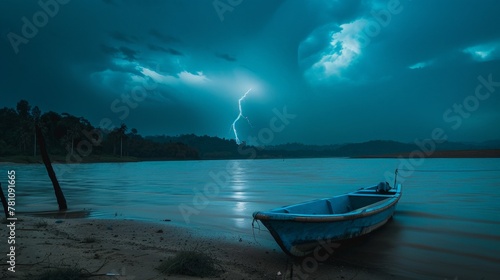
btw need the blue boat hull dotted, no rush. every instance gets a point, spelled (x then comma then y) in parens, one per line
(300, 234)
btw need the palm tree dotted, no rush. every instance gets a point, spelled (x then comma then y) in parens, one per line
(74, 127)
(23, 109)
(122, 135)
(35, 112)
(73, 132)
(23, 139)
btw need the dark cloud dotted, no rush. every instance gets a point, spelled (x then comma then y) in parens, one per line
(109, 50)
(125, 52)
(162, 37)
(122, 37)
(165, 50)
(226, 57)
(128, 53)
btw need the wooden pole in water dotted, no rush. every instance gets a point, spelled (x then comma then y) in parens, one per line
(46, 160)
(4, 202)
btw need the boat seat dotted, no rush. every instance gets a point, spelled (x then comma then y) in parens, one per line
(339, 205)
(363, 209)
(320, 207)
(330, 207)
(371, 195)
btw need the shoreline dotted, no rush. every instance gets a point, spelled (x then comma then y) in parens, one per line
(133, 249)
(113, 159)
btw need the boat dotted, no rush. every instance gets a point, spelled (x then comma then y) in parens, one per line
(301, 229)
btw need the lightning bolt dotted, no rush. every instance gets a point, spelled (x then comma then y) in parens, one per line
(240, 115)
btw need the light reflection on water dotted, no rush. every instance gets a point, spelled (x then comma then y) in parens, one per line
(446, 225)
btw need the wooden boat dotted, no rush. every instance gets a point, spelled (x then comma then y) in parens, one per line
(302, 228)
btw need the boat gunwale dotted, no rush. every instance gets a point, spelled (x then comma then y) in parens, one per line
(314, 218)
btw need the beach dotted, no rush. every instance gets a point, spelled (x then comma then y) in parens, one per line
(128, 249)
(125, 219)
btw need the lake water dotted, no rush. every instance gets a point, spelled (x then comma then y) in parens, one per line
(446, 226)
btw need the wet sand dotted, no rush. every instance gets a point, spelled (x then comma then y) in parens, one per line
(134, 249)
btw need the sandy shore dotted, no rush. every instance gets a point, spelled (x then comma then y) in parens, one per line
(133, 250)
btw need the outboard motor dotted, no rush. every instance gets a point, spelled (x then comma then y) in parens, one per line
(383, 187)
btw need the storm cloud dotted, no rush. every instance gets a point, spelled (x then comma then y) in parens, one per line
(350, 71)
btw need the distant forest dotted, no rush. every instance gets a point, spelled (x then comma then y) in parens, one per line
(63, 133)
(66, 134)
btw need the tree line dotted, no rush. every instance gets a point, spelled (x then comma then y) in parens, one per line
(63, 132)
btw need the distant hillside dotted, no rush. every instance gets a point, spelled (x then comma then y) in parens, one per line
(492, 144)
(209, 147)
(387, 148)
(378, 147)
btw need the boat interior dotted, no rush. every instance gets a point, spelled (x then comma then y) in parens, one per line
(356, 201)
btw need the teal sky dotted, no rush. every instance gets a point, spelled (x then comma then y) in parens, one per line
(348, 71)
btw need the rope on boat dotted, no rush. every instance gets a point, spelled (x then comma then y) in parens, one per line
(255, 221)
